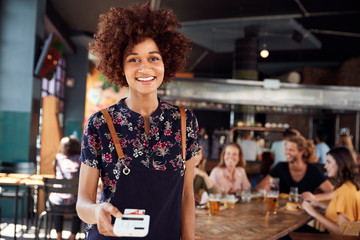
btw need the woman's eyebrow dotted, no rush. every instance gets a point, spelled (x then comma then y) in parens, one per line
(135, 54)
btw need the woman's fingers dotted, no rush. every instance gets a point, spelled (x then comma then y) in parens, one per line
(103, 218)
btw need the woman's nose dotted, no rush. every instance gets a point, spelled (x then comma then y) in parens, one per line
(144, 67)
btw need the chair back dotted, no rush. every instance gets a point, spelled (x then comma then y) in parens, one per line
(17, 167)
(53, 185)
(253, 167)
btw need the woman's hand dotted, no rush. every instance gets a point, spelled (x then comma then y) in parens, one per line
(103, 214)
(308, 207)
(308, 196)
(199, 172)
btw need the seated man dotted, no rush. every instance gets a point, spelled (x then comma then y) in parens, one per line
(297, 171)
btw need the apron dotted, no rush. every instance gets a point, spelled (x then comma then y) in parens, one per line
(158, 192)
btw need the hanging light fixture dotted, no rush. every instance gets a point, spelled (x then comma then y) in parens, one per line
(264, 53)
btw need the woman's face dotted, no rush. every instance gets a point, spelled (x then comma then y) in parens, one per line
(144, 67)
(331, 166)
(231, 157)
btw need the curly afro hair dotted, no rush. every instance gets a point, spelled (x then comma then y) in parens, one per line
(121, 29)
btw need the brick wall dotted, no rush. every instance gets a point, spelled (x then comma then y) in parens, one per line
(346, 75)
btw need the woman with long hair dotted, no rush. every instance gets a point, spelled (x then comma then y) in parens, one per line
(298, 170)
(202, 182)
(230, 176)
(345, 205)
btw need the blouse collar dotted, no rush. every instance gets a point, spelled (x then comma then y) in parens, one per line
(135, 116)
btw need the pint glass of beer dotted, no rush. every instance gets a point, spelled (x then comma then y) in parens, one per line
(230, 201)
(214, 204)
(272, 200)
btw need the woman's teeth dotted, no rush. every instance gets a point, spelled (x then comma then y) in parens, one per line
(146, 79)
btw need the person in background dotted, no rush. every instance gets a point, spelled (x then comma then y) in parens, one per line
(345, 140)
(67, 166)
(229, 176)
(278, 147)
(321, 148)
(252, 150)
(295, 131)
(204, 142)
(297, 171)
(202, 182)
(344, 207)
(140, 48)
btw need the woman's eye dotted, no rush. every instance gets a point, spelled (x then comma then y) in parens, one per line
(154, 59)
(133, 60)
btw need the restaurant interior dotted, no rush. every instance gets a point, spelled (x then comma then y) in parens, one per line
(258, 65)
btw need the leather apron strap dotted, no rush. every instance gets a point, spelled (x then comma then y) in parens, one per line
(114, 136)
(183, 132)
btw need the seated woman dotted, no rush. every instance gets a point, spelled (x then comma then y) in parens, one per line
(345, 205)
(67, 166)
(230, 176)
(202, 182)
(297, 171)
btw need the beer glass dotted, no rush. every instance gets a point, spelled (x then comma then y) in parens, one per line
(275, 184)
(272, 197)
(229, 201)
(261, 197)
(272, 201)
(214, 204)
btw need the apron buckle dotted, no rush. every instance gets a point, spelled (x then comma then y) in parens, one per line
(126, 171)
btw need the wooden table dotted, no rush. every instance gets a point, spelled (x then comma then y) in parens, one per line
(16, 183)
(319, 236)
(17, 180)
(248, 221)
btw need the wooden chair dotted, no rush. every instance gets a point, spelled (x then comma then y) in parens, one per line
(52, 185)
(253, 168)
(17, 193)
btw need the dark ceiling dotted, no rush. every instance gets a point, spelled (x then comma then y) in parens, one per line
(329, 29)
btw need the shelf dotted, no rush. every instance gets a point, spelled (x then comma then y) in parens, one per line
(259, 129)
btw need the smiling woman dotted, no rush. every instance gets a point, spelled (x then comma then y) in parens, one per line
(140, 48)
(230, 176)
(113, 39)
(144, 68)
(344, 206)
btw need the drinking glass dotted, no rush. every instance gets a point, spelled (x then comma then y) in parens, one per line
(274, 184)
(294, 194)
(214, 204)
(261, 195)
(229, 201)
(245, 195)
(272, 200)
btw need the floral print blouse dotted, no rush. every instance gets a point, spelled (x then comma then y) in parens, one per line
(160, 150)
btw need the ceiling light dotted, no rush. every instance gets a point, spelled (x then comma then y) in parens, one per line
(264, 53)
